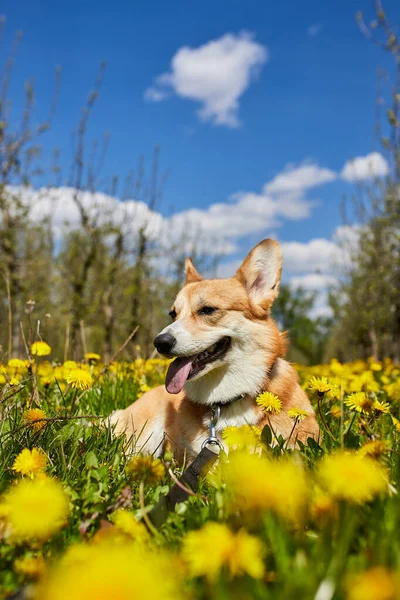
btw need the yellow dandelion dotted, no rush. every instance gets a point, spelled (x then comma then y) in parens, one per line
(40, 349)
(125, 522)
(105, 571)
(70, 364)
(393, 390)
(323, 508)
(396, 423)
(29, 462)
(34, 509)
(146, 468)
(298, 414)
(33, 417)
(349, 476)
(31, 567)
(16, 380)
(269, 402)
(79, 379)
(239, 553)
(256, 483)
(374, 449)
(92, 357)
(382, 407)
(335, 411)
(17, 364)
(335, 392)
(320, 385)
(241, 437)
(359, 402)
(377, 583)
(375, 366)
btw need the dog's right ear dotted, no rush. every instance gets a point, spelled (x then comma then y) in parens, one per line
(191, 275)
(260, 273)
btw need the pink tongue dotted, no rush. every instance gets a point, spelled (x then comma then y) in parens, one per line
(177, 374)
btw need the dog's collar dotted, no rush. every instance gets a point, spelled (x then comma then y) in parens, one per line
(229, 402)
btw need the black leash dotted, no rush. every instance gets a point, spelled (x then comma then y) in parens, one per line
(203, 462)
(190, 479)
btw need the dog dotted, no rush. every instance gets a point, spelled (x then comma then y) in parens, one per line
(227, 350)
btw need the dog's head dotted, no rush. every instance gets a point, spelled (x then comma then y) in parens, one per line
(222, 334)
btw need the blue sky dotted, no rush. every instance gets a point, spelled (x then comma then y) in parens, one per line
(311, 101)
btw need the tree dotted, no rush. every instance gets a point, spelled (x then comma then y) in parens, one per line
(307, 335)
(368, 319)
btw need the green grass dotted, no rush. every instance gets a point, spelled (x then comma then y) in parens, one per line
(317, 554)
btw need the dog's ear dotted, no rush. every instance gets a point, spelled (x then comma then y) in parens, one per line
(260, 272)
(191, 275)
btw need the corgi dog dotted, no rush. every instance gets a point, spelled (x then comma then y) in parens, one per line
(227, 350)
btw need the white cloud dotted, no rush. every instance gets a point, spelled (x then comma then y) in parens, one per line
(314, 29)
(295, 179)
(365, 167)
(313, 282)
(59, 205)
(318, 254)
(215, 74)
(217, 228)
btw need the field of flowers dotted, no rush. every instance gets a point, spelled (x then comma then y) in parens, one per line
(319, 522)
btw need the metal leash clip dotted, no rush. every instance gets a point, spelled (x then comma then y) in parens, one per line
(212, 439)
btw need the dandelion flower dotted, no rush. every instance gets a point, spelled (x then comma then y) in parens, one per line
(335, 392)
(79, 379)
(349, 476)
(34, 509)
(298, 414)
(240, 553)
(374, 449)
(105, 571)
(376, 366)
(269, 402)
(359, 402)
(126, 522)
(17, 364)
(92, 357)
(396, 423)
(256, 483)
(377, 583)
(29, 462)
(34, 417)
(32, 567)
(40, 349)
(382, 407)
(335, 411)
(323, 508)
(241, 437)
(320, 385)
(146, 468)
(393, 390)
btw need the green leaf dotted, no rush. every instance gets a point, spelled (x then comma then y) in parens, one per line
(91, 460)
(266, 435)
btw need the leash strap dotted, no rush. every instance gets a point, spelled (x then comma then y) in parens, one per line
(190, 478)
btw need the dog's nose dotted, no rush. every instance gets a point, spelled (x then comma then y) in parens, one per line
(164, 343)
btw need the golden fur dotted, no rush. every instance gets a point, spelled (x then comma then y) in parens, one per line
(253, 363)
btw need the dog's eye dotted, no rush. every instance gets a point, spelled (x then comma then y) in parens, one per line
(207, 310)
(172, 314)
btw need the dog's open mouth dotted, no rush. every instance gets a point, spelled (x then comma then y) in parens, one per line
(186, 367)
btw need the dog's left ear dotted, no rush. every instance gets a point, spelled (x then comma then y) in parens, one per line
(191, 275)
(260, 272)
